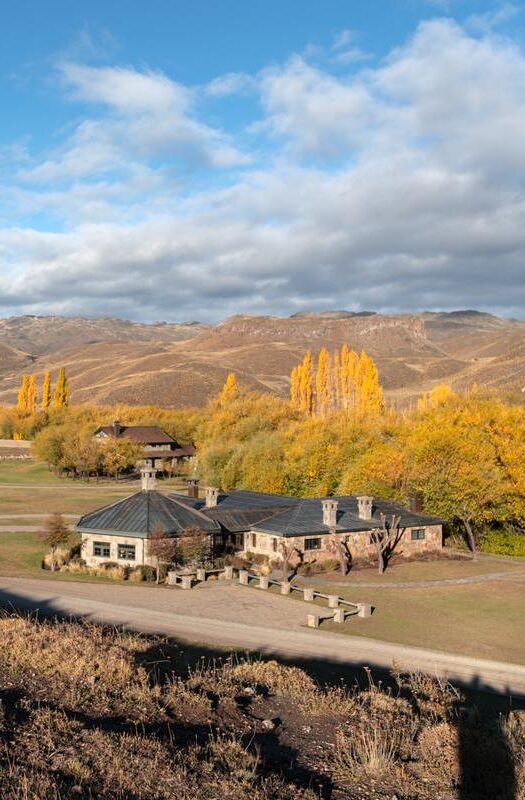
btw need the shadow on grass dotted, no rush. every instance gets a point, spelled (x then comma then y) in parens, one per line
(487, 769)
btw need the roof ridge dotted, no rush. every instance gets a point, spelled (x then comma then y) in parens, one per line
(193, 510)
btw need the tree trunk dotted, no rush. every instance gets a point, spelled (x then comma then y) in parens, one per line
(471, 539)
(380, 562)
(158, 572)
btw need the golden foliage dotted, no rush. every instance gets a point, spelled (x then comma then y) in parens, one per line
(344, 381)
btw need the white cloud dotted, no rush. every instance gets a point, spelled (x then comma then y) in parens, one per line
(396, 187)
(148, 116)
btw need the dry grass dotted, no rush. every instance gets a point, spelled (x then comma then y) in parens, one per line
(86, 712)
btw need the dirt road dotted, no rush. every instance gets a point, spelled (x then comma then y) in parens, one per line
(234, 616)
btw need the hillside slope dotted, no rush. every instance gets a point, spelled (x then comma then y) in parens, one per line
(183, 364)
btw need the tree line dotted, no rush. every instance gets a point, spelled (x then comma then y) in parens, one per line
(340, 381)
(28, 402)
(463, 452)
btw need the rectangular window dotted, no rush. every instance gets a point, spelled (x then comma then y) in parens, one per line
(254, 540)
(418, 534)
(274, 544)
(313, 543)
(126, 552)
(102, 549)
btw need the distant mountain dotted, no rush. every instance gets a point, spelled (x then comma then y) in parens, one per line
(112, 360)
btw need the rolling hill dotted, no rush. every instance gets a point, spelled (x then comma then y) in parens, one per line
(171, 364)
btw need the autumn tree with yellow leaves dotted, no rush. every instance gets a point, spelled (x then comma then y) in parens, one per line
(230, 390)
(61, 395)
(46, 391)
(344, 381)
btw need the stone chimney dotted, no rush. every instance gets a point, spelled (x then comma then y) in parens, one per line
(364, 506)
(193, 488)
(212, 496)
(330, 513)
(416, 502)
(148, 477)
(116, 429)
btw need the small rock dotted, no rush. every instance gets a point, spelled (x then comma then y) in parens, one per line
(249, 691)
(268, 725)
(307, 728)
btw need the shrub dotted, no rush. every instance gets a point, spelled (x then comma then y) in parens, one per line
(506, 542)
(329, 565)
(238, 562)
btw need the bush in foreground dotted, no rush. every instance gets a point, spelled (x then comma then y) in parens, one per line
(88, 712)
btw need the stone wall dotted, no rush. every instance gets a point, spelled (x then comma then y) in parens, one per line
(359, 544)
(88, 540)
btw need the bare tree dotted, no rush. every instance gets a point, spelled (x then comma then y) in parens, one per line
(162, 548)
(385, 539)
(54, 533)
(288, 551)
(339, 547)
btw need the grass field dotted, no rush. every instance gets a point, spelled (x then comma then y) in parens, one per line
(484, 620)
(27, 487)
(481, 619)
(423, 571)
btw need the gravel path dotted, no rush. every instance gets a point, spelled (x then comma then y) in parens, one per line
(233, 616)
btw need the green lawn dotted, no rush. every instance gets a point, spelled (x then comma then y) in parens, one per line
(21, 555)
(482, 619)
(422, 571)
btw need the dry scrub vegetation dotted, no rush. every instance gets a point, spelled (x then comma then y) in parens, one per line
(88, 712)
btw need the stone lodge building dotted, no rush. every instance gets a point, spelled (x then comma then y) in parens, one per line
(251, 522)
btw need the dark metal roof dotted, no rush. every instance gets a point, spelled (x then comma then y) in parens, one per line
(294, 516)
(307, 517)
(141, 434)
(139, 514)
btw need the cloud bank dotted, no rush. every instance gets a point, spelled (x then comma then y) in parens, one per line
(392, 186)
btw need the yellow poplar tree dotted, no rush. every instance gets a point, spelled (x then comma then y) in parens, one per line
(347, 382)
(295, 387)
(336, 379)
(31, 394)
(46, 391)
(369, 390)
(306, 393)
(22, 400)
(230, 390)
(323, 383)
(61, 395)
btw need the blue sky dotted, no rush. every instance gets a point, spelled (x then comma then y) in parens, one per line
(170, 160)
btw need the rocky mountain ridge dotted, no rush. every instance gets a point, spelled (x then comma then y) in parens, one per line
(180, 364)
